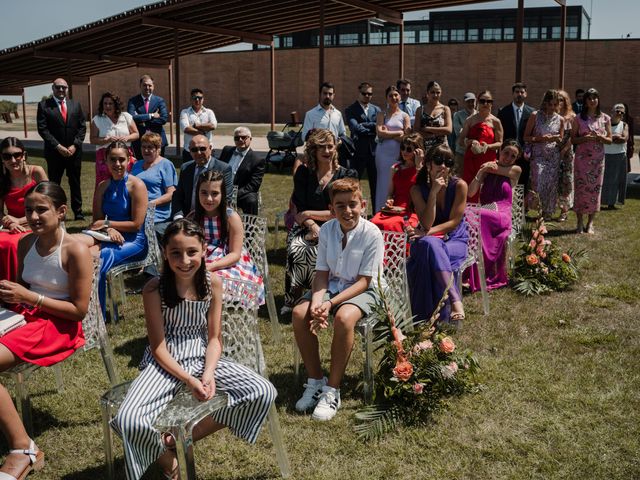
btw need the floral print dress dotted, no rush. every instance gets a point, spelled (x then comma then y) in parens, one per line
(589, 165)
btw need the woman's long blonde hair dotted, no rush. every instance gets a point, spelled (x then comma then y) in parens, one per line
(320, 136)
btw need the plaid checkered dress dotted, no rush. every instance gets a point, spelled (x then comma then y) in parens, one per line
(244, 269)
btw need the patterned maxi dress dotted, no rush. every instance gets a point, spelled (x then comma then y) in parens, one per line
(244, 269)
(589, 166)
(249, 394)
(565, 186)
(545, 164)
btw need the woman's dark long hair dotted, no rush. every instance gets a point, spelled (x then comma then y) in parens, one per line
(414, 140)
(117, 104)
(5, 178)
(50, 189)
(442, 151)
(168, 291)
(199, 212)
(590, 93)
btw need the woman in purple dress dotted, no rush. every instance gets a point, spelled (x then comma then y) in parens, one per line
(590, 131)
(440, 242)
(495, 181)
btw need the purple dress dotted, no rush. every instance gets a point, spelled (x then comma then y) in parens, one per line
(433, 259)
(495, 227)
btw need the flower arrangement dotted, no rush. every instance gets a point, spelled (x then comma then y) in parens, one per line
(421, 366)
(541, 267)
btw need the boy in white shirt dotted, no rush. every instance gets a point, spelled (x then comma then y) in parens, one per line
(350, 255)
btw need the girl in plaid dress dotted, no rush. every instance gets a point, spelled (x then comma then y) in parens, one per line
(223, 231)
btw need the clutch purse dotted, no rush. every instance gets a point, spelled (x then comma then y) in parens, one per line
(9, 321)
(98, 235)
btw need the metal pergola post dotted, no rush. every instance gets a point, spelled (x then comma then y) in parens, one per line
(24, 116)
(563, 28)
(272, 68)
(519, 38)
(176, 90)
(401, 52)
(321, 46)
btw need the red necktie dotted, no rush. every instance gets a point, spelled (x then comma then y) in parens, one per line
(63, 110)
(146, 105)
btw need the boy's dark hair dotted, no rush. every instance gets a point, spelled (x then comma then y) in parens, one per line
(402, 81)
(345, 185)
(326, 85)
(168, 291)
(199, 213)
(196, 90)
(579, 91)
(364, 85)
(518, 85)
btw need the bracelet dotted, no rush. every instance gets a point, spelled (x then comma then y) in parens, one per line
(39, 301)
(477, 179)
(330, 303)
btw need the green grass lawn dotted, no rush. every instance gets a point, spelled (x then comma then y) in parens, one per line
(559, 399)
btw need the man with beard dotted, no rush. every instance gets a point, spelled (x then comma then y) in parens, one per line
(324, 115)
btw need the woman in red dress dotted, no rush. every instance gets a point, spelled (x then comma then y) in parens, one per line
(16, 178)
(482, 137)
(52, 293)
(398, 209)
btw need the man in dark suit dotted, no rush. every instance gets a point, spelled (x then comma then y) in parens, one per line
(149, 112)
(62, 126)
(361, 117)
(247, 170)
(579, 103)
(514, 119)
(184, 197)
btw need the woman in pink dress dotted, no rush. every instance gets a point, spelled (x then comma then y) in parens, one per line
(398, 209)
(16, 178)
(495, 181)
(591, 130)
(481, 136)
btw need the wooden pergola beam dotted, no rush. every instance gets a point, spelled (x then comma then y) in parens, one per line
(11, 91)
(383, 13)
(249, 37)
(37, 78)
(156, 62)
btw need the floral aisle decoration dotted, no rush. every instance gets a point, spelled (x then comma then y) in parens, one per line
(420, 367)
(542, 267)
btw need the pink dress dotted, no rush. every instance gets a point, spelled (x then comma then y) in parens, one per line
(14, 201)
(588, 171)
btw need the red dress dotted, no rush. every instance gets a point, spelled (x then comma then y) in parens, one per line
(403, 180)
(481, 132)
(14, 201)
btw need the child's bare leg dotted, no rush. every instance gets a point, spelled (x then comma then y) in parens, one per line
(344, 323)
(307, 342)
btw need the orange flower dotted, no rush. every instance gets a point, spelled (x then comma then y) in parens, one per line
(447, 345)
(403, 371)
(532, 259)
(566, 258)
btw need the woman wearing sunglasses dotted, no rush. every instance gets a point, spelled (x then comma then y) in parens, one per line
(398, 209)
(16, 178)
(614, 185)
(440, 243)
(481, 136)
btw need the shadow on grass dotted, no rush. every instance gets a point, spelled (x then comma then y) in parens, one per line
(92, 473)
(132, 349)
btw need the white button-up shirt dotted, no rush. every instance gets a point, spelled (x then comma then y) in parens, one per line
(362, 255)
(190, 118)
(318, 117)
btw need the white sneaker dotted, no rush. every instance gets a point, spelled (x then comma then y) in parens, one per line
(328, 404)
(312, 390)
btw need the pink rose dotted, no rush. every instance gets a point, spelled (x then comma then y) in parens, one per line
(425, 345)
(448, 371)
(532, 259)
(540, 250)
(454, 367)
(403, 371)
(532, 244)
(447, 345)
(418, 388)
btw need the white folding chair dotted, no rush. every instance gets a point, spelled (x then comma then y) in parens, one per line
(395, 274)
(517, 220)
(241, 343)
(115, 281)
(95, 336)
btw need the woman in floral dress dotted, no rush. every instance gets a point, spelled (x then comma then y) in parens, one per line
(565, 185)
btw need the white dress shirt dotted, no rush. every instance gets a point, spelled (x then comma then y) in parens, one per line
(410, 106)
(318, 117)
(190, 118)
(362, 255)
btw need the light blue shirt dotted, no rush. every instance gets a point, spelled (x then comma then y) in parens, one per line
(158, 178)
(318, 117)
(236, 160)
(409, 107)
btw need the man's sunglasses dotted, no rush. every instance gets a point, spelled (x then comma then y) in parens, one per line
(197, 97)
(237, 138)
(60, 87)
(198, 149)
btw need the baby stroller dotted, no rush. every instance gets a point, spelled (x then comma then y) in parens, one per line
(282, 145)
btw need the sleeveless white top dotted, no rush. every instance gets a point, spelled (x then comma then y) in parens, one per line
(616, 148)
(45, 275)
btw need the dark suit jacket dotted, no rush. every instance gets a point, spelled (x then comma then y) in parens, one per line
(577, 108)
(144, 121)
(181, 200)
(248, 178)
(54, 131)
(508, 119)
(361, 126)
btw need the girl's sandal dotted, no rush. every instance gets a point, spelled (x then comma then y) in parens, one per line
(456, 319)
(36, 462)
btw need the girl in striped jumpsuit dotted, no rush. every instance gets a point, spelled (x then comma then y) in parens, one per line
(183, 315)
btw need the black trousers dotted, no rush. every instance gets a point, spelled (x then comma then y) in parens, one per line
(57, 166)
(365, 160)
(249, 203)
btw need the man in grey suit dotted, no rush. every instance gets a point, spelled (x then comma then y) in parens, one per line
(361, 117)
(185, 196)
(514, 119)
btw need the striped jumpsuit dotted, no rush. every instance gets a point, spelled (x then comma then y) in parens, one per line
(250, 395)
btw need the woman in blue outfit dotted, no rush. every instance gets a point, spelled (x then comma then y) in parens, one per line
(119, 212)
(440, 242)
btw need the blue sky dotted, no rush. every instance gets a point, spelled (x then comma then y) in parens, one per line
(43, 20)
